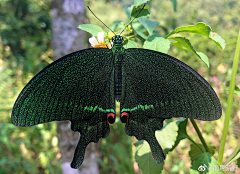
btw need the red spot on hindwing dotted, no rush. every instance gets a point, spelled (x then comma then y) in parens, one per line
(110, 118)
(124, 117)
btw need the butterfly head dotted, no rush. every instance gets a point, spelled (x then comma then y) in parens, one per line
(117, 39)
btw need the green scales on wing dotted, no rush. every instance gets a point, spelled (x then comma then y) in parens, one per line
(82, 87)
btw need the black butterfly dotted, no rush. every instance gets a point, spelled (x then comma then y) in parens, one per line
(82, 87)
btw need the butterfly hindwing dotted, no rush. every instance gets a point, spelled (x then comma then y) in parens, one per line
(143, 128)
(93, 129)
(78, 87)
(157, 86)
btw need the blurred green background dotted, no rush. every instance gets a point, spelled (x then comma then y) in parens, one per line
(26, 48)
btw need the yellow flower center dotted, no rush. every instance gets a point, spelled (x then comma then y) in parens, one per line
(101, 45)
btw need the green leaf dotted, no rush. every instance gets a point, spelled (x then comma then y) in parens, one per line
(202, 29)
(203, 57)
(199, 28)
(143, 12)
(177, 44)
(137, 4)
(168, 135)
(237, 93)
(140, 2)
(130, 44)
(141, 34)
(129, 11)
(139, 29)
(166, 138)
(134, 9)
(182, 41)
(238, 162)
(236, 87)
(90, 28)
(217, 39)
(168, 120)
(157, 43)
(144, 159)
(195, 152)
(139, 143)
(205, 163)
(148, 24)
(174, 2)
(182, 133)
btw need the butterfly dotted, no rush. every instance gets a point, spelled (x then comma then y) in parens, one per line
(82, 87)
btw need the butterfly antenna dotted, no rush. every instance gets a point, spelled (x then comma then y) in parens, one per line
(99, 19)
(133, 19)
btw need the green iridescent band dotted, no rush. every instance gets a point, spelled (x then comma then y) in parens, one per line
(143, 107)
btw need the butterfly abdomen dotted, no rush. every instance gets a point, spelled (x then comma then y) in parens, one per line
(118, 85)
(118, 74)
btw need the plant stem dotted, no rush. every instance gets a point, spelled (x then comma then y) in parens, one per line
(196, 144)
(200, 135)
(230, 100)
(234, 154)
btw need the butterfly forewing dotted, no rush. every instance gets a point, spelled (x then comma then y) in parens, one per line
(70, 88)
(170, 86)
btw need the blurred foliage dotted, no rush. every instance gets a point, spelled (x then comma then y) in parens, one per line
(117, 155)
(25, 48)
(25, 30)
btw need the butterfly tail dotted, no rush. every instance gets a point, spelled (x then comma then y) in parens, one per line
(156, 149)
(79, 153)
(144, 129)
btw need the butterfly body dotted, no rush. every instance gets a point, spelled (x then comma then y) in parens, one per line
(82, 87)
(118, 55)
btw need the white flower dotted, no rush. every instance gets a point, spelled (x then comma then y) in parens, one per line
(98, 43)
